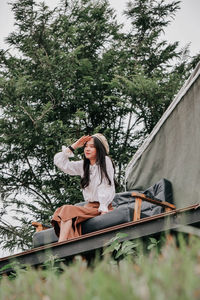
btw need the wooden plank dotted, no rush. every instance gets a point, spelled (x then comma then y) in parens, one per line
(96, 240)
(137, 209)
(167, 209)
(39, 226)
(153, 201)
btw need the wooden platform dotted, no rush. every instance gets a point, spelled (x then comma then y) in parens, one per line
(89, 243)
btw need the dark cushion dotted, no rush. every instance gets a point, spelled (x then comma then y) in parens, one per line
(161, 190)
(123, 204)
(119, 215)
(44, 237)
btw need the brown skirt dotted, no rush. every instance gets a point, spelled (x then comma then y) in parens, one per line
(77, 214)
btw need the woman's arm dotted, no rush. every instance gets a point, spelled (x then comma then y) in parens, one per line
(81, 142)
(61, 159)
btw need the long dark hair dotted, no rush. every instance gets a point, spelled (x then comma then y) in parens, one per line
(101, 162)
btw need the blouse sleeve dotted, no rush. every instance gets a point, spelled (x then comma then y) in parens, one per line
(106, 192)
(61, 160)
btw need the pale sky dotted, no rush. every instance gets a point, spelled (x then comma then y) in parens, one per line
(185, 27)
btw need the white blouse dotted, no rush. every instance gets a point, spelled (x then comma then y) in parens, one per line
(98, 191)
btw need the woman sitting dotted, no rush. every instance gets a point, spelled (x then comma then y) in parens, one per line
(97, 182)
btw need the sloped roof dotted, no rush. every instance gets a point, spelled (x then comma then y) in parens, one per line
(173, 147)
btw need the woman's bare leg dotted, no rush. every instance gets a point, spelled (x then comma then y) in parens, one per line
(65, 228)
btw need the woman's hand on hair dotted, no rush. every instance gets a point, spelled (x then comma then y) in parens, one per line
(81, 142)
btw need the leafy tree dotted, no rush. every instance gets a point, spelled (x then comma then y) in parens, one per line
(52, 92)
(76, 73)
(149, 73)
(155, 69)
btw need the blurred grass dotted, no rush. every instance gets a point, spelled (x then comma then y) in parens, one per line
(169, 272)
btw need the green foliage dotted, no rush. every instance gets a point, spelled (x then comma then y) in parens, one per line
(53, 91)
(120, 250)
(74, 72)
(154, 243)
(171, 274)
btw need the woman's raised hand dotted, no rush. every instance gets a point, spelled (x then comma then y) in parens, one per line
(81, 142)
